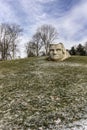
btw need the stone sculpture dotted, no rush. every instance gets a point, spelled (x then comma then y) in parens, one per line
(58, 52)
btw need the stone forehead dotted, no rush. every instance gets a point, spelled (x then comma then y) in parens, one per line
(56, 45)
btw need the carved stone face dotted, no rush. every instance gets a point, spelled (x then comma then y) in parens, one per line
(56, 52)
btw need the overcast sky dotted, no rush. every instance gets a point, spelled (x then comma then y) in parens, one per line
(68, 16)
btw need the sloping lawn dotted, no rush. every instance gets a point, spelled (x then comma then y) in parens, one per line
(36, 94)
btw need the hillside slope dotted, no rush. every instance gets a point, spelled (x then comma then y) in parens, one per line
(37, 94)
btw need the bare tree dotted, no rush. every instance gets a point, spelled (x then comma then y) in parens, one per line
(4, 41)
(9, 34)
(37, 42)
(48, 34)
(33, 47)
(30, 49)
(15, 31)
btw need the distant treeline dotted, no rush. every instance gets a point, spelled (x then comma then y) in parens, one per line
(79, 50)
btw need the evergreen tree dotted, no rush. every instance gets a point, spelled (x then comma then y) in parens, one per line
(72, 51)
(80, 50)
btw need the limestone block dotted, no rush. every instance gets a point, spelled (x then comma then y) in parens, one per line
(58, 52)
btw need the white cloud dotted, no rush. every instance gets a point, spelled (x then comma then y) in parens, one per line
(6, 13)
(45, 1)
(31, 8)
(75, 20)
(68, 26)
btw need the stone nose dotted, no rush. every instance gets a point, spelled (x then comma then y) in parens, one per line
(55, 52)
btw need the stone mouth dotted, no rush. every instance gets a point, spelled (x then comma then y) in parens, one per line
(56, 57)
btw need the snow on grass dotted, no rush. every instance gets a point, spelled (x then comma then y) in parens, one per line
(43, 95)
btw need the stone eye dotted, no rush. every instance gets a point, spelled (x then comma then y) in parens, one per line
(51, 49)
(58, 49)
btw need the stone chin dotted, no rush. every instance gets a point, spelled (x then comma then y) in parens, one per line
(55, 58)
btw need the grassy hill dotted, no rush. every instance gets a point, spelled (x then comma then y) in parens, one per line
(36, 94)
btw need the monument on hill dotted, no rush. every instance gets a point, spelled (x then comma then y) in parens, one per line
(58, 52)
